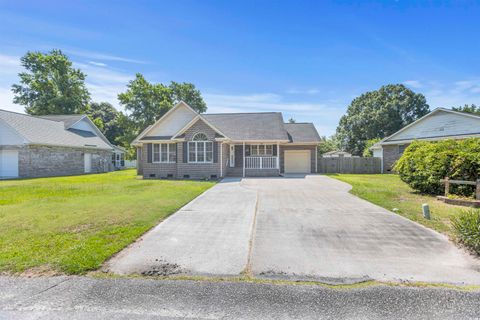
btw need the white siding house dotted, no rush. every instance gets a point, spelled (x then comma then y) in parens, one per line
(440, 124)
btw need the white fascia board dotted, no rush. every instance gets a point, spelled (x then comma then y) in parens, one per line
(192, 122)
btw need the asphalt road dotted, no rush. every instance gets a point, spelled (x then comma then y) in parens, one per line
(87, 298)
(306, 227)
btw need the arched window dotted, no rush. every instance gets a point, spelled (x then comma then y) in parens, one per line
(200, 137)
(200, 149)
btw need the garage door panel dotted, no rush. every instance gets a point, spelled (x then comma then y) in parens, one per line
(297, 161)
(8, 164)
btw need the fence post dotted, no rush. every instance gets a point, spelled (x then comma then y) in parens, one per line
(447, 187)
(477, 190)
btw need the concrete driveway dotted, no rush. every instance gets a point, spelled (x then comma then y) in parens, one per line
(300, 228)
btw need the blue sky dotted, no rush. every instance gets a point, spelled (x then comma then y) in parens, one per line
(308, 59)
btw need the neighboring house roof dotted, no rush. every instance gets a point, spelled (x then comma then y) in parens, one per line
(249, 126)
(39, 130)
(68, 120)
(302, 132)
(447, 126)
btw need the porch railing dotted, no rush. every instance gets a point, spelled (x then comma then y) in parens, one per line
(261, 162)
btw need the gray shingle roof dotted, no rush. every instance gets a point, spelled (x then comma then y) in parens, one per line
(302, 132)
(43, 131)
(68, 119)
(249, 126)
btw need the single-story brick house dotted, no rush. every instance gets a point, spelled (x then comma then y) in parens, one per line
(184, 144)
(57, 145)
(440, 124)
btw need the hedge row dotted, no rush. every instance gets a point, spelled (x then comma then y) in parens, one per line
(423, 164)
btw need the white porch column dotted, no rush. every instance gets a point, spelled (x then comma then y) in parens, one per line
(244, 159)
(278, 156)
(221, 160)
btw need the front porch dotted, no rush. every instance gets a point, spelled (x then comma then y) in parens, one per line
(252, 160)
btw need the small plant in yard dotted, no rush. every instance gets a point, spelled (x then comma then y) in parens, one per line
(466, 227)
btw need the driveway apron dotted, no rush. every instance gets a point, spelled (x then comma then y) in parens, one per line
(311, 228)
(209, 236)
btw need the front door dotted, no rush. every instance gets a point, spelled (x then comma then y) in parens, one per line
(232, 155)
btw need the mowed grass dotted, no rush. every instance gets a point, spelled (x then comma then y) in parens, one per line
(389, 192)
(73, 224)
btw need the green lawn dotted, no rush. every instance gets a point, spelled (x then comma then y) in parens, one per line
(73, 224)
(388, 191)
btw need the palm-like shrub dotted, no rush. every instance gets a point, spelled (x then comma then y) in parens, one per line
(466, 226)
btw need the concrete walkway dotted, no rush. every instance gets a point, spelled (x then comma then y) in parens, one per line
(306, 228)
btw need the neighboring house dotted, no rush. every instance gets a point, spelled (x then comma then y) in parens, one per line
(187, 145)
(118, 158)
(337, 154)
(58, 145)
(440, 124)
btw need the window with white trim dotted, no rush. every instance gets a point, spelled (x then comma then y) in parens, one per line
(261, 150)
(200, 150)
(164, 153)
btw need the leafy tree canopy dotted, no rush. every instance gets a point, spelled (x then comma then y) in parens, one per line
(187, 93)
(106, 117)
(368, 144)
(50, 85)
(468, 108)
(378, 114)
(146, 102)
(327, 145)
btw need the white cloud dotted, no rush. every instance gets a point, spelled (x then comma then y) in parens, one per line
(416, 84)
(311, 91)
(100, 56)
(98, 64)
(453, 94)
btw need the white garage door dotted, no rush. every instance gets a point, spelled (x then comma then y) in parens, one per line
(297, 161)
(8, 164)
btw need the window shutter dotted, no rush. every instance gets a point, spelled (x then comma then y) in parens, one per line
(149, 153)
(215, 152)
(176, 152)
(185, 151)
(274, 149)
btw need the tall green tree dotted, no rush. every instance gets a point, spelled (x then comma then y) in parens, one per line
(327, 144)
(146, 102)
(187, 93)
(368, 144)
(378, 114)
(50, 85)
(468, 108)
(107, 119)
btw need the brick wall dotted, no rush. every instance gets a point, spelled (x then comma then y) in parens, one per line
(48, 161)
(390, 156)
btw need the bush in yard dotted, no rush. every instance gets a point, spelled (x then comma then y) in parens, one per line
(466, 226)
(424, 163)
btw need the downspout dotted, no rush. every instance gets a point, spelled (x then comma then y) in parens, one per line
(316, 159)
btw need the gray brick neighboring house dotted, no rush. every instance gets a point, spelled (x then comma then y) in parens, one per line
(186, 145)
(440, 124)
(59, 145)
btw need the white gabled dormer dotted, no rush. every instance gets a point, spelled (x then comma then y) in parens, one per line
(170, 123)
